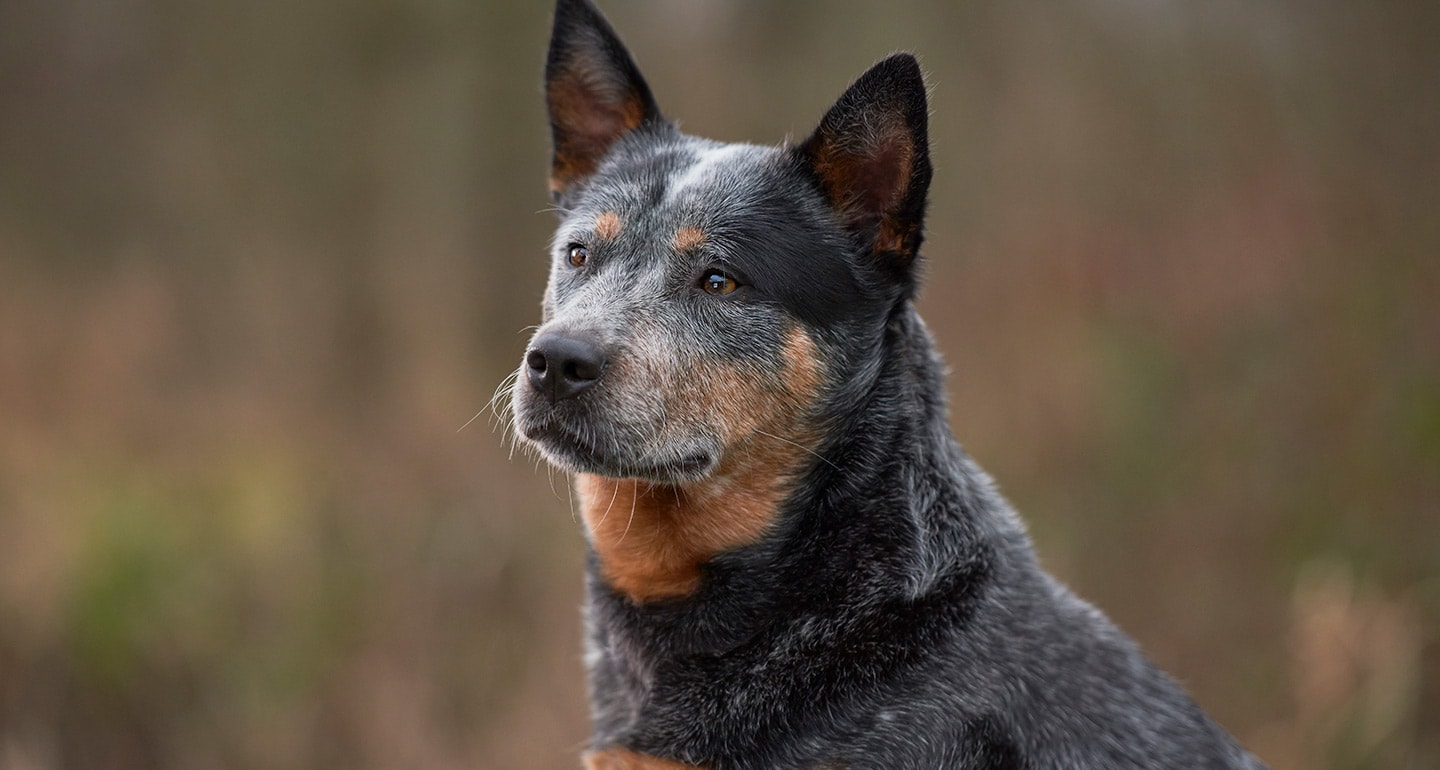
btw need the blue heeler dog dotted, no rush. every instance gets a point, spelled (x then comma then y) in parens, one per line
(793, 564)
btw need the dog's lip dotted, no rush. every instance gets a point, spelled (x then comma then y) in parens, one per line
(583, 456)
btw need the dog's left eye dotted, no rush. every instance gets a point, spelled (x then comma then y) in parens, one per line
(718, 283)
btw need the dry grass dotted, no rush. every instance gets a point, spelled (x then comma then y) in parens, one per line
(260, 262)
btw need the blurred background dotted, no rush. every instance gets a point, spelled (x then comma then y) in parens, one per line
(260, 262)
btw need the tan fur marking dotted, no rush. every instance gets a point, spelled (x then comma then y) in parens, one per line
(587, 120)
(652, 538)
(688, 239)
(866, 184)
(607, 225)
(623, 759)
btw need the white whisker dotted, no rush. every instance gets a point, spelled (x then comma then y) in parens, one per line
(634, 498)
(817, 455)
(606, 514)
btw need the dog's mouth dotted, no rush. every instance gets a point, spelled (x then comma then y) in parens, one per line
(586, 451)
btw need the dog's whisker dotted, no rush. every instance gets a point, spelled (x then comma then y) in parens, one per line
(808, 450)
(502, 407)
(613, 495)
(472, 419)
(497, 396)
(570, 499)
(634, 498)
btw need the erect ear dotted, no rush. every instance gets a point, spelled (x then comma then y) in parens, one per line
(872, 159)
(594, 91)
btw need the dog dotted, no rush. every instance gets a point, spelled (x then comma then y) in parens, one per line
(792, 562)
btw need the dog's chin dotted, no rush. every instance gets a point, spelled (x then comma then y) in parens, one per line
(570, 453)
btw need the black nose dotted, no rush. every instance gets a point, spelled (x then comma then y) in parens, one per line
(561, 365)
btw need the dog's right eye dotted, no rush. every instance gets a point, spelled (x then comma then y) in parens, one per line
(579, 255)
(719, 283)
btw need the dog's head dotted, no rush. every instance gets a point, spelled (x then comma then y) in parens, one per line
(707, 300)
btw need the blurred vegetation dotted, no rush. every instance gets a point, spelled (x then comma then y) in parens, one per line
(260, 261)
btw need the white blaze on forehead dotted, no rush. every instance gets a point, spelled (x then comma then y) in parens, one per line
(705, 167)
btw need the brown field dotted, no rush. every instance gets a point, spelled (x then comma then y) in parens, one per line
(260, 261)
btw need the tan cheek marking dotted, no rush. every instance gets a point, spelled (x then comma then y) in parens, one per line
(607, 225)
(622, 759)
(805, 372)
(688, 239)
(652, 538)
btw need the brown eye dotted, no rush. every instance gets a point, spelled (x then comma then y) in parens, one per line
(718, 283)
(579, 255)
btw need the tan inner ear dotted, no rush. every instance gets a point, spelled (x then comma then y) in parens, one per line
(588, 117)
(868, 181)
